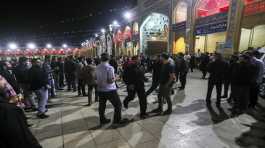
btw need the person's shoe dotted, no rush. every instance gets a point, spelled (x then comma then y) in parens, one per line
(158, 111)
(172, 92)
(105, 121)
(167, 112)
(120, 123)
(218, 104)
(181, 88)
(155, 102)
(42, 116)
(224, 96)
(208, 102)
(144, 116)
(125, 104)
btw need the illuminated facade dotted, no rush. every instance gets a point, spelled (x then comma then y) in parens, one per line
(225, 26)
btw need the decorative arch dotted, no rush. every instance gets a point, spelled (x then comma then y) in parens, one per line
(180, 11)
(154, 28)
(206, 8)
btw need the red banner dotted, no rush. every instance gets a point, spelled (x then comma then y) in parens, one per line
(254, 8)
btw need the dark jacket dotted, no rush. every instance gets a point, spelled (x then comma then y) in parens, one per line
(38, 78)
(242, 74)
(21, 73)
(181, 66)
(134, 75)
(204, 61)
(217, 70)
(69, 67)
(156, 67)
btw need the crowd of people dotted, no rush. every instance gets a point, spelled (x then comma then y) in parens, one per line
(28, 84)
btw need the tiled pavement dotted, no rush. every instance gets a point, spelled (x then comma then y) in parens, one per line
(191, 125)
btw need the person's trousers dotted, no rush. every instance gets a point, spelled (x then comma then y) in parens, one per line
(241, 96)
(183, 79)
(114, 99)
(152, 88)
(28, 96)
(204, 73)
(61, 80)
(226, 88)
(81, 87)
(141, 95)
(164, 93)
(71, 84)
(56, 81)
(89, 93)
(42, 96)
(254, 91)
(52, 92)
(218, 86)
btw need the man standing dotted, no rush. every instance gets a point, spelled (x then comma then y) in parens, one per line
(48, 70)
(182, 68)
(22, 76)
(69, 69)
(257, 80)
(80, 80)
(217, 70)
(204, 61)
(39, 83)
(107, 90)
(61, 72)
(166, 79)
(134, 79)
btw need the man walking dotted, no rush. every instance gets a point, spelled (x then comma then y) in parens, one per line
(134, 79)
(107, 90)
(39, 83)
(217, 70)
(156, 67)
(166, 79)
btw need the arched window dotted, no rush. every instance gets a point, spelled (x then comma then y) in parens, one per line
(180, 12)
(211, 7)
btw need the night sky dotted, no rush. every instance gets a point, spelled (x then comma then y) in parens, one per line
(57, 21)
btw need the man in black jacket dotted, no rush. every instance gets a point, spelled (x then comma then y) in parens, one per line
(204, 61)
(217, 70)
(182, 70)
(134, 79)
(69, 69)
(156, 67)
(39, 83)
(22, 76)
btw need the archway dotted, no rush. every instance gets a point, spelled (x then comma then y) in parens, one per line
(179, 26)
(253, 25)
(180, 12)
(179, 45)
(211, 24)
(154, 34)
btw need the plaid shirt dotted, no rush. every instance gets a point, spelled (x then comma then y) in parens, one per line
(6, 90)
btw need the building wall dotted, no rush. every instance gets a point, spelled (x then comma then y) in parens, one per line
(146, 7)
(259, 36)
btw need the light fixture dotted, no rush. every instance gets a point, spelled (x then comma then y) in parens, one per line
(127, 15)
(103, 30)
(65, 45)
(115, 23)
(49, 46)
(31, 46)
(12, 46)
